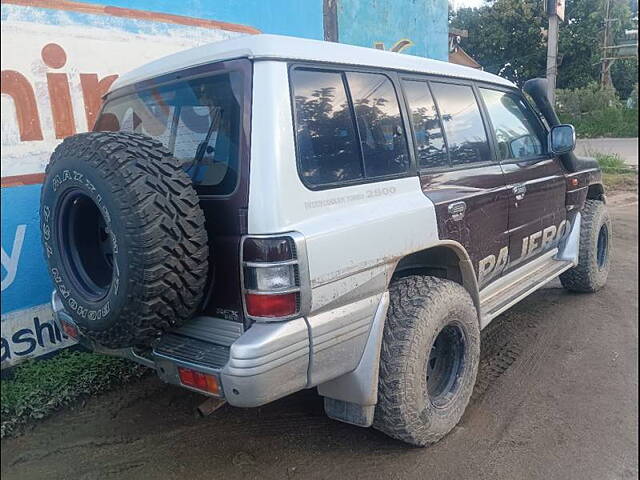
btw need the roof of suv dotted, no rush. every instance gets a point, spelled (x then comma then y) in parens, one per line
(280, 47)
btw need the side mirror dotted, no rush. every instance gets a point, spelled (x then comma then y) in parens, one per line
(562, 139)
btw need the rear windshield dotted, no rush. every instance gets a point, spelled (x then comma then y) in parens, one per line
(198, 121)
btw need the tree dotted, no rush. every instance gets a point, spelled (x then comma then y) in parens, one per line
(580, 46)
(505, 37)
(508, 37)
(624, 74)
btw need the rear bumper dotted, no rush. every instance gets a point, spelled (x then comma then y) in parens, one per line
(254, 367)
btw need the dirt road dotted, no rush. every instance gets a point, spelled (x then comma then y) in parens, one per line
(557, 398)
(627, 148)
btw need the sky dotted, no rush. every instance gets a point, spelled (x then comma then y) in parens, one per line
(466, 3)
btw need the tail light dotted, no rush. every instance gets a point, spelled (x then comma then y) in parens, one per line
(200, 381)
(274, 277)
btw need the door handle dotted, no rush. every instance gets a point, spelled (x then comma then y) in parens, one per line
(519, 191)
(457, 210)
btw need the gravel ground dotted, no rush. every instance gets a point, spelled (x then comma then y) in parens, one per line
(557, 398)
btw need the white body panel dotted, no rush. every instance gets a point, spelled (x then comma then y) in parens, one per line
(354, 235)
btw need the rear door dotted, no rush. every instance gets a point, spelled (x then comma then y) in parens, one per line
(536, 180)
(202, 116)
(458, 170)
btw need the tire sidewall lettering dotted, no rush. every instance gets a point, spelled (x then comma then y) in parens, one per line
(63, 180)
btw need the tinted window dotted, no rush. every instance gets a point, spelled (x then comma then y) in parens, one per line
(462, 122)
(518, 133)
(325, 131)
(198, 121)
(382, 137)
(432, 151)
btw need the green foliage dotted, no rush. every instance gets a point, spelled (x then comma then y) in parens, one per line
(596, 112)
(37, 388)
(586, 99)
(612, 163)
(610, 122)
(624, 75)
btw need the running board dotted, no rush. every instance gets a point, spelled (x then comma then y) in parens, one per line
(513, 287)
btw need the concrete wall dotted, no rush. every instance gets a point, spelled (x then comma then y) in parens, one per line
(60, 56)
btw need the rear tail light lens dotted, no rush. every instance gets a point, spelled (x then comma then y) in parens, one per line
(271, 249)
(271, 306)
(271, 277)
(199, 380)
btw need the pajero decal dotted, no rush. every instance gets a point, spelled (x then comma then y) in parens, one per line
(533, 244)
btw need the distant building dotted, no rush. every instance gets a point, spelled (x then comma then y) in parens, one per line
(456, 54)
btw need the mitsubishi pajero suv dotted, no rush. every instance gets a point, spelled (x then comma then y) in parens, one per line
(268, 214)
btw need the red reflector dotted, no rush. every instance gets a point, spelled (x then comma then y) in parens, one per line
(69, 330)
(199, 380)
(270, 305)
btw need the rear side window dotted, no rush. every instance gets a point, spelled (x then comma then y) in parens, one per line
(348, 127)
(382, 138)
(463, 125)
(517, 130)
(198, 121)
(325, 130)
(431, 149)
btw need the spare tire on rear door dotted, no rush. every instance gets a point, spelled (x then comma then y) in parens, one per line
(124, 237)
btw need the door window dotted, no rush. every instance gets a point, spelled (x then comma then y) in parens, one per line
(431, 149)
(518, 133)
(463, 125)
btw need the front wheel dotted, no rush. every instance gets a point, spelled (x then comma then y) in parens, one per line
(429, 359)
(591, 273)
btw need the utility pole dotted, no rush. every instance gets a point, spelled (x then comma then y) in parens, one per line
(555, 12)
(552, 57)
(605, 71)
(330, 20)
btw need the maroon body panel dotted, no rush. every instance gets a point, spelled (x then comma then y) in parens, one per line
(483, 230)
(542, 205)
(226, 221)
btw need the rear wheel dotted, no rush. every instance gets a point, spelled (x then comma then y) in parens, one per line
(429, 359)
(592, 271)
(124, 237)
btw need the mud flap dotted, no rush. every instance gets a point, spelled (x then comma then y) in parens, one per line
(359, 415)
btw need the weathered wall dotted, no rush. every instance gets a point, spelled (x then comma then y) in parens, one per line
(60, 56)
(416, 27)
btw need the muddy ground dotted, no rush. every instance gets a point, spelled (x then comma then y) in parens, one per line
(557, 398)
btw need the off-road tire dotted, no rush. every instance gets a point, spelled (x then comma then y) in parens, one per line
(589, 275)
(420, 307)
(156, 233)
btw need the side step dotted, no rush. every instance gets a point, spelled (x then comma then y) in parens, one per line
(203, 341)
(509, 290)
(192, 351)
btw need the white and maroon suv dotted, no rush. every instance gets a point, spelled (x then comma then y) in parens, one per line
(269, 214)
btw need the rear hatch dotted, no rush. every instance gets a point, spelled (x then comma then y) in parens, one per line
(202, 116)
